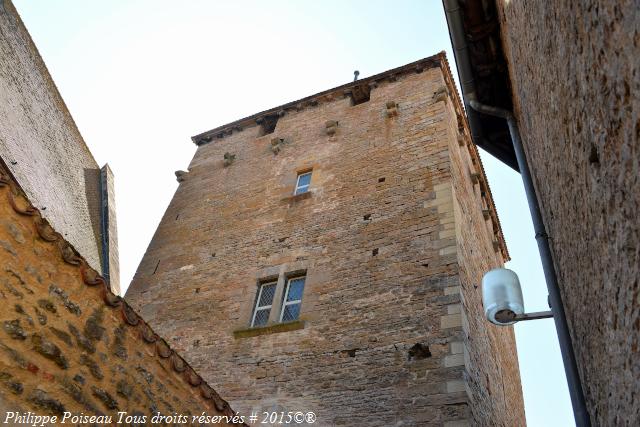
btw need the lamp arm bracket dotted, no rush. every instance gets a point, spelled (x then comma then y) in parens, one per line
(534, 316)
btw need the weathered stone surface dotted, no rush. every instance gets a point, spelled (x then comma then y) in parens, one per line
(13, 328)
(43, 401)
(383, 244)
(49, 350)
(575, 73)
(46, 369)
(43, 148)
(107, 400)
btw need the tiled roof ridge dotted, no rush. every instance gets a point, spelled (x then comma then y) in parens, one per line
(317, 98)
(20, 203)
(473, 150)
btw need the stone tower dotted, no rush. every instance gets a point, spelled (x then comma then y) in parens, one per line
(326, 255)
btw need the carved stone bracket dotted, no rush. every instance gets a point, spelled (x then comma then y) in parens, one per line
(460, 123)
(440, 94)
(277, 144)
(392, 109)
(228, 158)
(475, 177)
(331, 126)
(181, 175)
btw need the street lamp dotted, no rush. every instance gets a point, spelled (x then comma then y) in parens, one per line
(502, 299)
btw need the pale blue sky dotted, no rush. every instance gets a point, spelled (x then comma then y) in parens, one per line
(141, 77)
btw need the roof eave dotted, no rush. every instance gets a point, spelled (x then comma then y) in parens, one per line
(474, 31)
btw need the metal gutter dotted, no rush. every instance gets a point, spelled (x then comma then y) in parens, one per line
(469, 94)
(468, 84)
(104, 224)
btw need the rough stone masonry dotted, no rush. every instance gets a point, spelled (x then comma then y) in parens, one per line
(392, 238)
(575, 77)
(44, 149)
(69, 347)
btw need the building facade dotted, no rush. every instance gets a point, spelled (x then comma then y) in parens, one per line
(326, 256)
(569, 73)
(43, 148)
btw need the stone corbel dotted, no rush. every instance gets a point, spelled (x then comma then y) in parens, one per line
(475, 178)
(392, 109)
(331, 126)
(181, 175)
(440, 94)
(228, 158)
(277, 144)
(460, 124)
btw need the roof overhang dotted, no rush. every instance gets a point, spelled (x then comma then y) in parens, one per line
(484, 76)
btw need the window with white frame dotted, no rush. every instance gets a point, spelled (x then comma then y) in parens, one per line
(303, 183)
(264, 302)
(292, 299)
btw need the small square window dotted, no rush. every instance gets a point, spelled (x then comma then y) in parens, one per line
(303, 183)
(292, 299)
(264, 302)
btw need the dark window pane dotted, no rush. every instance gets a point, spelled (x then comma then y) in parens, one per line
(296, 286)
(291, 312)
(268, 291)
(262, 317)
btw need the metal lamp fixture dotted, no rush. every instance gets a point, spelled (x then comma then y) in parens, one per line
(502, 298)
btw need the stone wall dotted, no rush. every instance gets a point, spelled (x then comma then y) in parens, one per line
(490, 355)
(67, 344)
(380, 340)
(41, 143)
(574, 70)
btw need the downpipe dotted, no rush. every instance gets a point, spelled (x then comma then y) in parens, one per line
(580, 413)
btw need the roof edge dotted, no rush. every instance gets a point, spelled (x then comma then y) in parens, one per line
(312, 100)
(473, 151)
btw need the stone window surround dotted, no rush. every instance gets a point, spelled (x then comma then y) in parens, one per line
(280, 274)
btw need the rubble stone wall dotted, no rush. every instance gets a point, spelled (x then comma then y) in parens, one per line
(67, 344)
(574, 70)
